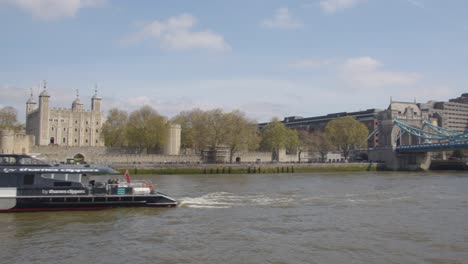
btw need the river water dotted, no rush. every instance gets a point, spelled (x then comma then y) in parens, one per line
(261, 218)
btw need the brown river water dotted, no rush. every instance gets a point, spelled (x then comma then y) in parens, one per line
(261, 218)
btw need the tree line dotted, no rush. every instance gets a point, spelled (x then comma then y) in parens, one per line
(148, 131)
(213, 129)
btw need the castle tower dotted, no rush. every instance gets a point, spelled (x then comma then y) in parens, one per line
(172, 147)
(30, 104)
(42, 136)
(95, 101)
(77, 105)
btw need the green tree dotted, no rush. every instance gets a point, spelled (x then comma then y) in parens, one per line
(194, 129)
(347, 133)
(147, 129)
(184, 119)
(215, 121)
(276, 136)
(241, 133)
(114, 130)
(8, 118)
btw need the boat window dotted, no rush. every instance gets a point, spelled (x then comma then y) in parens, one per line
(63, 176)
(28, 179)
(7, 160)
(30, 161)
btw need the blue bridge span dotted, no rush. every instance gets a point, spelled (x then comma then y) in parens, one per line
(406, 147)
(429, 138)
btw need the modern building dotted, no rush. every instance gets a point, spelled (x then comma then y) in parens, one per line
(453, 114)
(318, 123)
(73, 126)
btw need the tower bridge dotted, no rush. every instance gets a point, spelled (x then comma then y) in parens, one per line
(411, 145)
(408, 135)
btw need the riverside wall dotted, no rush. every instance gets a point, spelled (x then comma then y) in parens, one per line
(124, 156)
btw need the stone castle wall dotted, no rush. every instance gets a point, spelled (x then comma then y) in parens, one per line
(12, 142)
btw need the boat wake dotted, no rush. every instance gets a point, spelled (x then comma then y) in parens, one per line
(229, 200)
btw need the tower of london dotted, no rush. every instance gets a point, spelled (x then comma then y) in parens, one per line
(73, 126)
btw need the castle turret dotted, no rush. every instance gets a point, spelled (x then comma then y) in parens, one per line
(30, 104)
(77, 105)
(42, 136)
(173, 145)
(95, 102)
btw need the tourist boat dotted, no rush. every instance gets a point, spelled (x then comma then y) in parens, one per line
(28, 184)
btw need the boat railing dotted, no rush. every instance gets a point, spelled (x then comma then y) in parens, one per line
(137, 187)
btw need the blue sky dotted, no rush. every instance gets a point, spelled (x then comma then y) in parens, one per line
(265, 57)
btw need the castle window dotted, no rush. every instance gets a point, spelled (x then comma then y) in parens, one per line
(76, 129)
(64, 129)
(76, 140)
(52, 128)
(51, 120)
(87, 122)
(86, 141)
(97, 123)
(97, 130)
(86, 130)
(76, 122)
(64, 140)
(96, 141)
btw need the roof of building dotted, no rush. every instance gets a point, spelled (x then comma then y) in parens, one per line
(77, 101)
(292, 120)
(403, 106)
(31, 100)
(44, 93)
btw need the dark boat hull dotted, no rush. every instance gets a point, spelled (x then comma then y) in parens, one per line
(78, 203)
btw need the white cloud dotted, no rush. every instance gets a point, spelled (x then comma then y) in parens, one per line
(53, 9)
(263, 111)
(177, 33)
(139, 101)
(282, 20)
(368, 72)
(332, 6)
(416, 3)
(309, 64)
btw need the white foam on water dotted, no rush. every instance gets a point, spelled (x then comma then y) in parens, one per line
(229, 200)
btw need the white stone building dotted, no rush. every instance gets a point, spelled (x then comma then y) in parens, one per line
(73, 126)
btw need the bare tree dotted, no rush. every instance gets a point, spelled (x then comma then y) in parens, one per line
(320, 144)
(8, 118)
(305, 142)
(241, 133)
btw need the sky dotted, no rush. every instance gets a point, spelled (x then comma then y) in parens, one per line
(267, 58)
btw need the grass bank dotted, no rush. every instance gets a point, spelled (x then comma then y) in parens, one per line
(255, 169)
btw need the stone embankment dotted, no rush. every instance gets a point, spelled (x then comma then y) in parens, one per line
(245, 168)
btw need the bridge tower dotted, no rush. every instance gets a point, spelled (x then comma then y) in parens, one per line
(391, 136)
